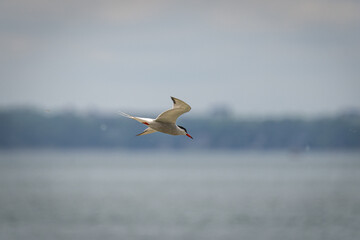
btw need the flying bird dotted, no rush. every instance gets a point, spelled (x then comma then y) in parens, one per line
(166, 121)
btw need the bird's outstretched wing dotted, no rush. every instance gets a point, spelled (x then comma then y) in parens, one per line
(171, 115)
(147, 131)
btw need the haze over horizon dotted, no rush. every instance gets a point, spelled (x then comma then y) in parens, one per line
(255, 57)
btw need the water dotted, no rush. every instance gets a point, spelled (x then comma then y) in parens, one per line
(179, 195)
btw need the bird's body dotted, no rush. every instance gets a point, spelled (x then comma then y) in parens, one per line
(168, 128)
(166, 121)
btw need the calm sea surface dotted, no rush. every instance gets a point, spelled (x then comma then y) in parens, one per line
(49, 195)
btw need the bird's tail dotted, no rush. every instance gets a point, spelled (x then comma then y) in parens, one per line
(125, 114)
(145, 121)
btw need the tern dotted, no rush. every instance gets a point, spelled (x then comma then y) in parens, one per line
(166, 121)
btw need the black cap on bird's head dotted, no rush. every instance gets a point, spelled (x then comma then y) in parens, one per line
(185, 131)
(182, 128)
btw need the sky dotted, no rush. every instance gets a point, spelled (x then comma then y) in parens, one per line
(256, 57)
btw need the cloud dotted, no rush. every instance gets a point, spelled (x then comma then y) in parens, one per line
(218, 48)
(67, 12)
(256, 12)
(284, 15)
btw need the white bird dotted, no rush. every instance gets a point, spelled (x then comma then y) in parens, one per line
(166, 121)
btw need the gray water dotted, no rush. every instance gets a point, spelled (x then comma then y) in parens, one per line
(179, 195)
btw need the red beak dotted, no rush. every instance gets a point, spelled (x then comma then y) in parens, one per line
(189, 136)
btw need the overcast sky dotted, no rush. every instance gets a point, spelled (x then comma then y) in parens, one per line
(258, 57)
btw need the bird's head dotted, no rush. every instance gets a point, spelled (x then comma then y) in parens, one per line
(184, 131)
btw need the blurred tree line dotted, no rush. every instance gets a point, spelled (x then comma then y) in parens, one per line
(29, 128)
